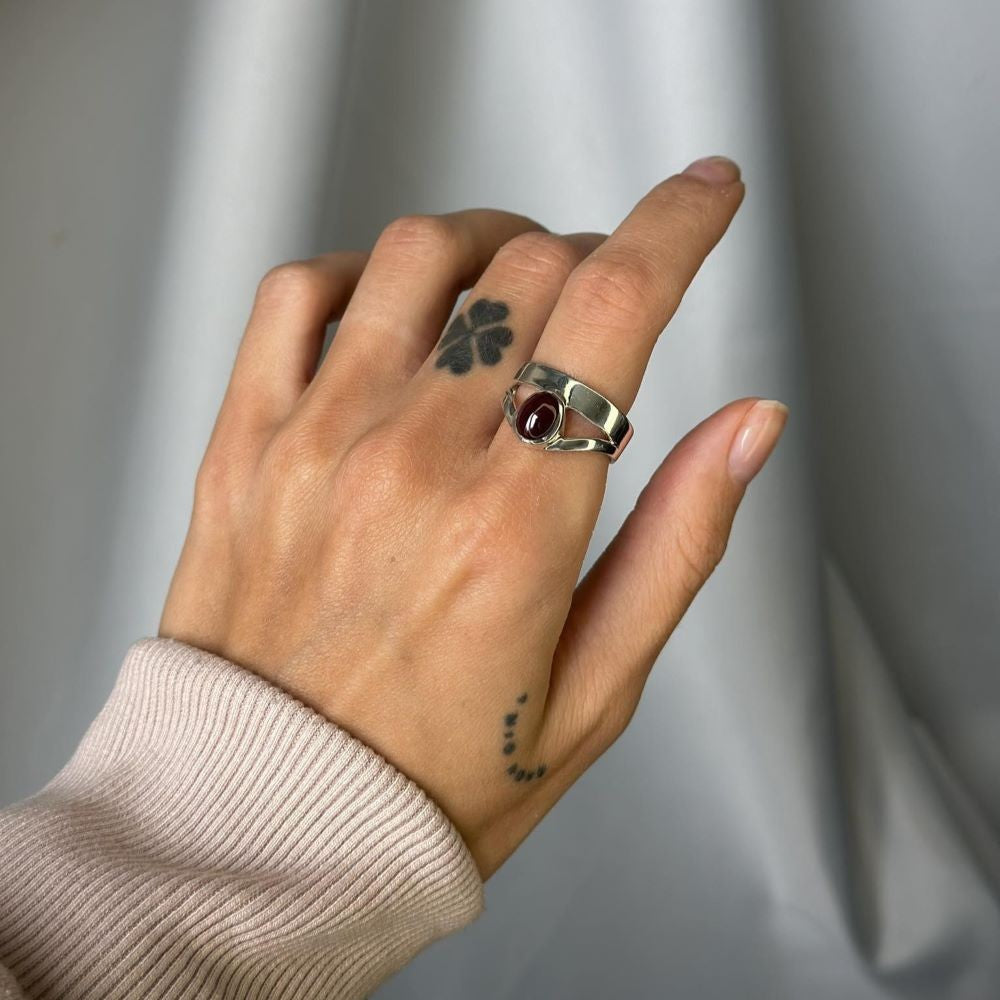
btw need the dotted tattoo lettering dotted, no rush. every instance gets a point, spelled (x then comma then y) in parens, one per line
(509, 748)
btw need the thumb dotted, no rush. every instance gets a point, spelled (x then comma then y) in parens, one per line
(635, 594)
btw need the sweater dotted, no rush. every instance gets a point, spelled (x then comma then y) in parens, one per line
(214, 837)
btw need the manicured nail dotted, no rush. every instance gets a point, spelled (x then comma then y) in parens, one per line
(756, 438)
(714, 169)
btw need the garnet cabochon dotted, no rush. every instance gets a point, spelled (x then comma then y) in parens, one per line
(537, 416)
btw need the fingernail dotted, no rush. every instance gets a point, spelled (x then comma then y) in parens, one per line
(756, 438)
(714, 169)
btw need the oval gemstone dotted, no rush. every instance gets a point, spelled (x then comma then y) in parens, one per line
(537, 416)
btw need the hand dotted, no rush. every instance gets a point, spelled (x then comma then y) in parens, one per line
(369, 535)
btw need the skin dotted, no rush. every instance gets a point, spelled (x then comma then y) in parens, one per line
(369, 534)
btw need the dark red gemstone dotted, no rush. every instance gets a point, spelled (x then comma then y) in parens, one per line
(537, 416)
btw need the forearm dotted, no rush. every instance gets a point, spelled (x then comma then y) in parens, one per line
(212, 832)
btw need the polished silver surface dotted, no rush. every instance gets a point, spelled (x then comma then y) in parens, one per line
(574, 395)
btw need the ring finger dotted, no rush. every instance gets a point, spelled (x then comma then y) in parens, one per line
(494, 333)
(416, 269)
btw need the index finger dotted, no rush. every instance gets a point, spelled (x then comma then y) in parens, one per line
(615, 304)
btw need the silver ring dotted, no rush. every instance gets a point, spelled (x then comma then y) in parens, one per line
(539, 418)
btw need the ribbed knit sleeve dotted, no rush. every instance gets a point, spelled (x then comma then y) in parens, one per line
(214, 837)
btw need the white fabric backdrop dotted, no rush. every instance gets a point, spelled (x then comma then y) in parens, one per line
(807, 803)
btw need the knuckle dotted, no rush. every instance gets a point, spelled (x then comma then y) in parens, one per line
(219, 483)
(293, 282)
(381, 468)
(420, 236)
(211, 483)
(693, 206)
(687, 192)
(539, 257)
(618, 284)
(604, 713)
(295, 461)
(615, 719)
(698, 548)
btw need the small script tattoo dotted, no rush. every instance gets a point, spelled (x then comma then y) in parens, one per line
(516, 772)
(477, 333)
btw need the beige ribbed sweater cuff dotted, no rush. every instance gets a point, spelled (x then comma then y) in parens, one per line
(214, 837)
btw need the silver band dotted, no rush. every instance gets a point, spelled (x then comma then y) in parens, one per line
(574, 395)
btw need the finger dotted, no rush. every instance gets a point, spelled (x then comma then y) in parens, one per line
(613, 309)
(277, 357)
(632, 599)
(417, 268)
(617, 302)
(493, 334)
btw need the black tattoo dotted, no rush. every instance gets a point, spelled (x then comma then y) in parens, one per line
(517, 772)
(479, 326)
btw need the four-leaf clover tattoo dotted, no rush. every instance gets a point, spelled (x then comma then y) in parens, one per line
(480, 326)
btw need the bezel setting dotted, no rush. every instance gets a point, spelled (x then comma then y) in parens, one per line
(557, 425)
(567, 393)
